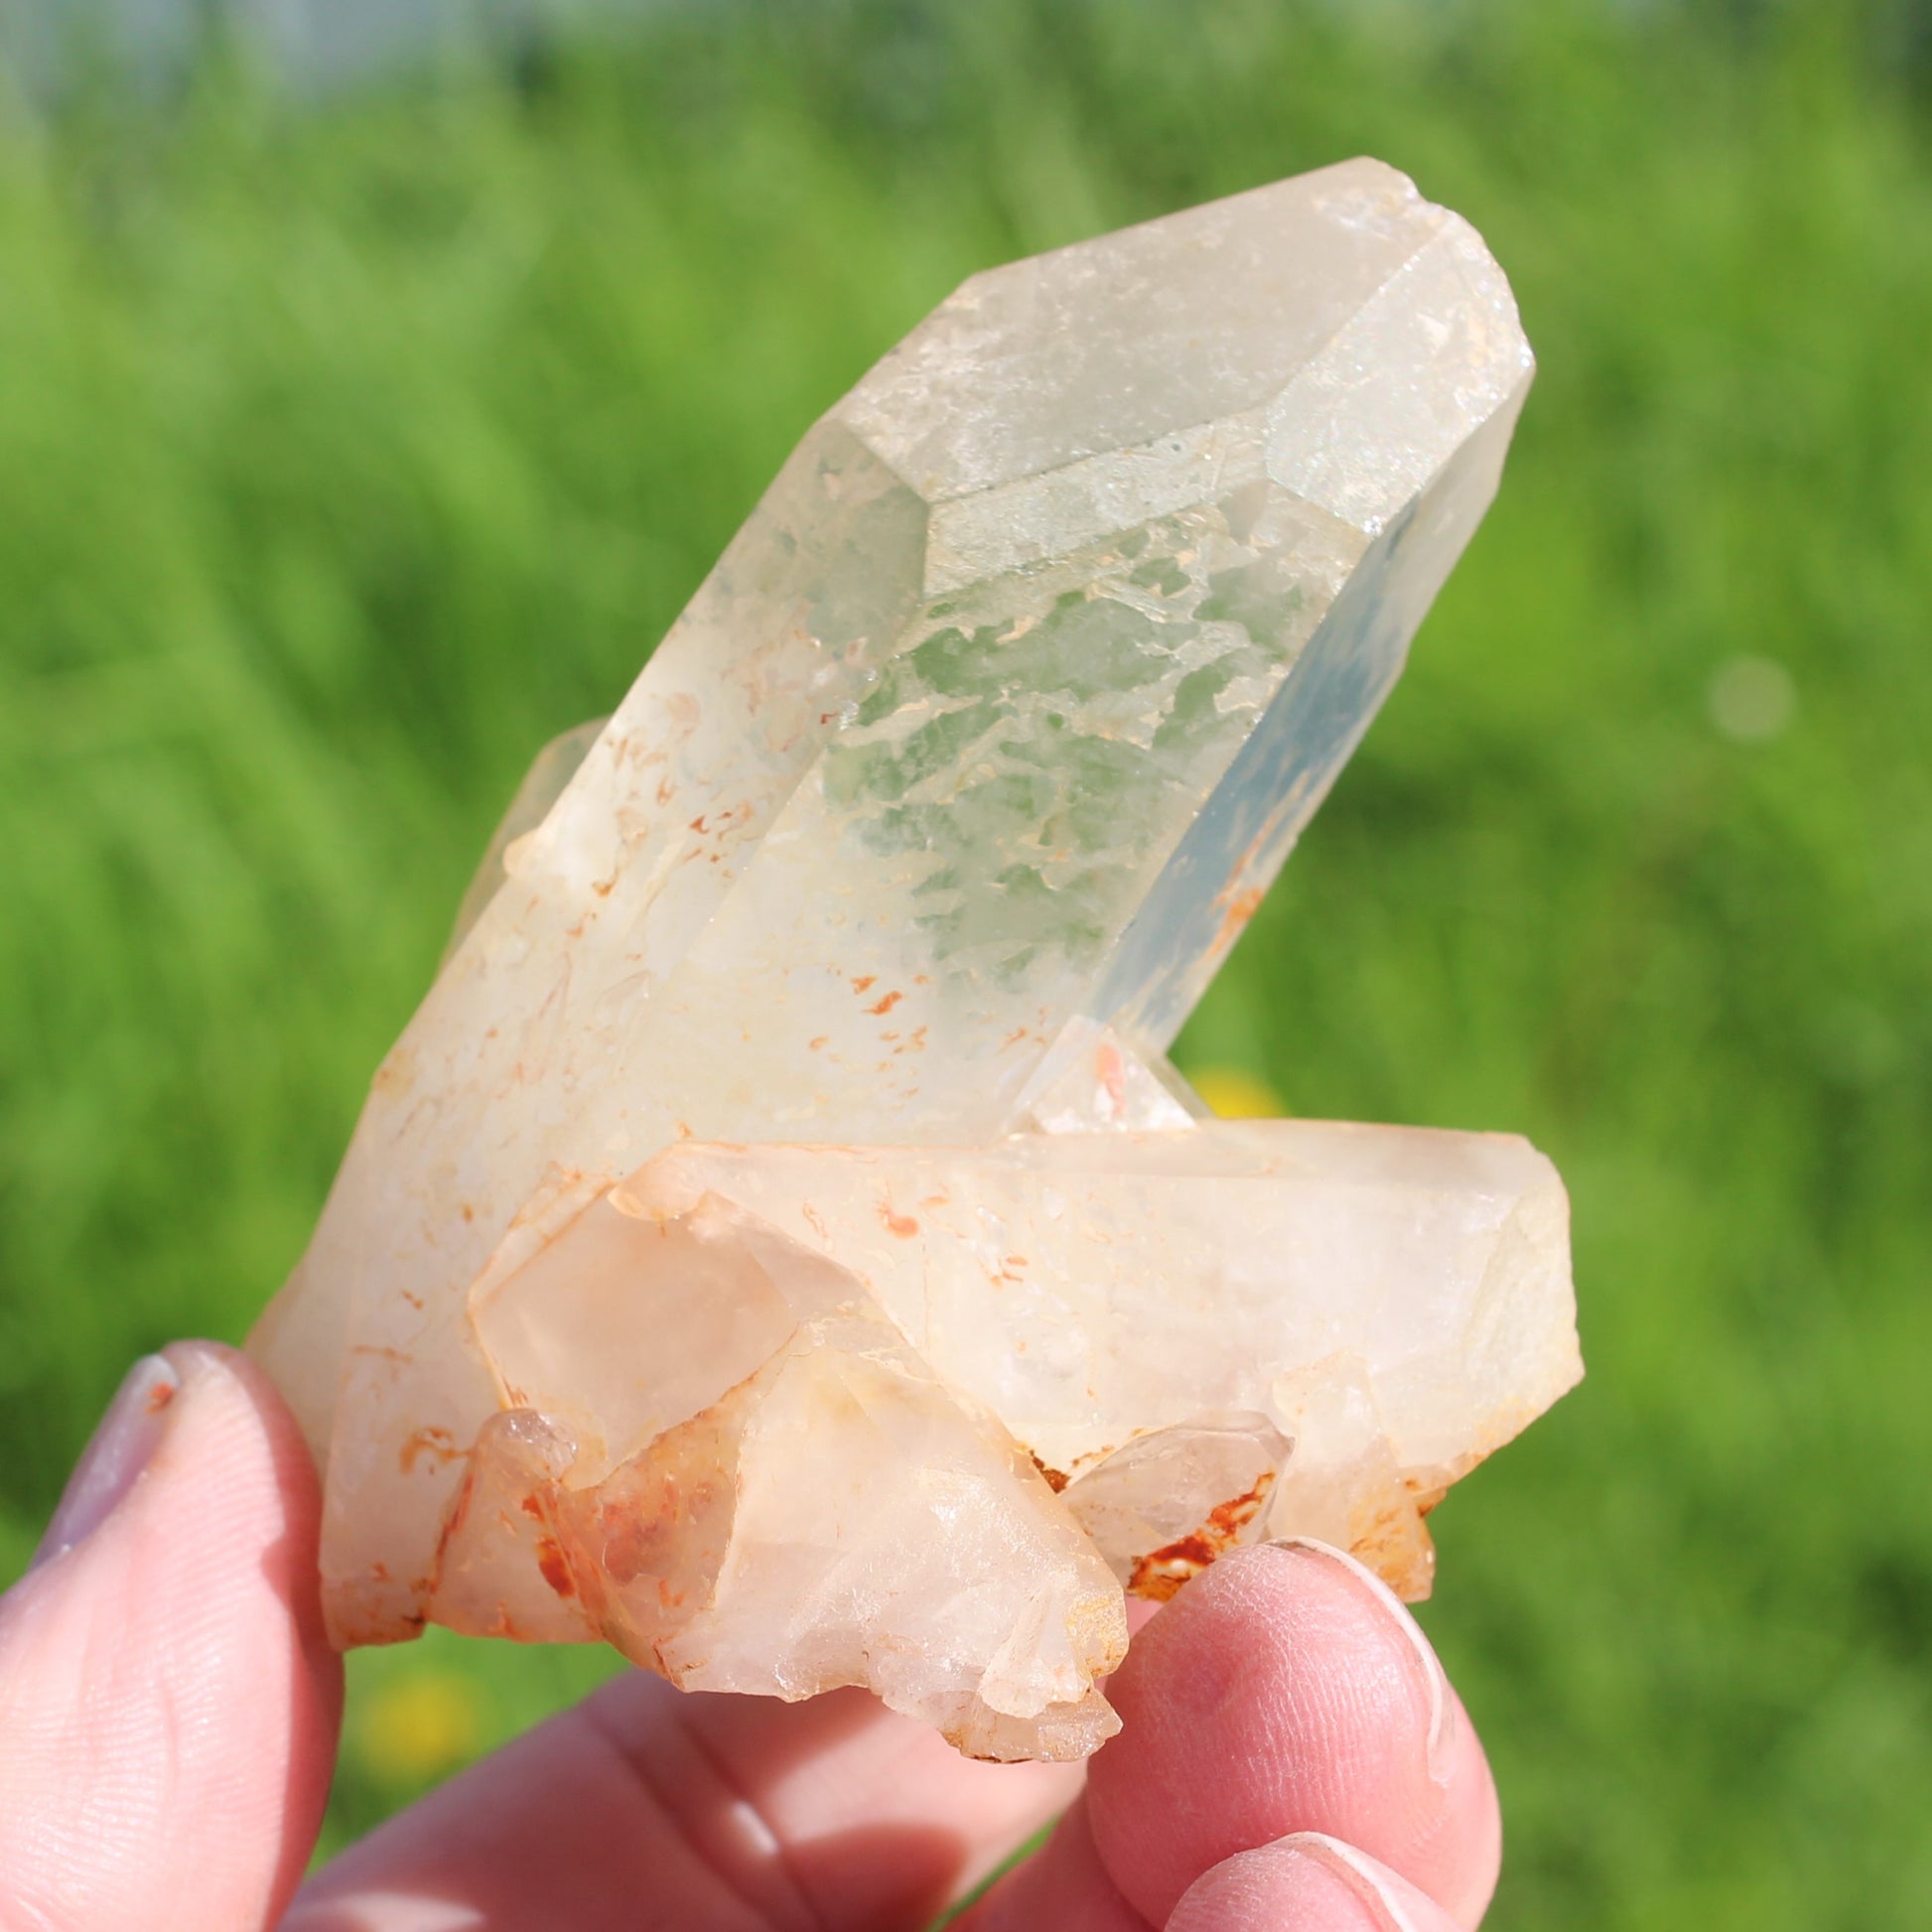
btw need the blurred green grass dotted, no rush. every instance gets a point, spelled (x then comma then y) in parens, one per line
(345, 456)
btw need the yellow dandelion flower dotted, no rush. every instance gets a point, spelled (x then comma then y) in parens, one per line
(1235, 1093)
(420, 1726)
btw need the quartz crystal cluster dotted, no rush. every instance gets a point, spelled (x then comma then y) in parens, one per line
(778, 1244)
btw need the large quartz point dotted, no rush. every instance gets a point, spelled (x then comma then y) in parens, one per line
(778, 1244)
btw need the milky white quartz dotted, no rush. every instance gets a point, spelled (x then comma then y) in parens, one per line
(659, 1296)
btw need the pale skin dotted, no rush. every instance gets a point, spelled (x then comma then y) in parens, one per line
(1292, 1758)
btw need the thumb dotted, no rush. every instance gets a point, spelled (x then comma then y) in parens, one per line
(168, 1702)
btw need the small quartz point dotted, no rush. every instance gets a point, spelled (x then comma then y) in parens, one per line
(543, 784)
(778, 1244)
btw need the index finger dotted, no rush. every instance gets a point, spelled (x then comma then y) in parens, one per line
(1284, 1693)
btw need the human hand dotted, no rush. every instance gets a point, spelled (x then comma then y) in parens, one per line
(1293, 1760)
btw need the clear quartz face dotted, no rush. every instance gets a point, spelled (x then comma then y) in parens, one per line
(778, 1244)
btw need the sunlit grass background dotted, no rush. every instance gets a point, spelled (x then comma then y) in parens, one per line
(348, 451)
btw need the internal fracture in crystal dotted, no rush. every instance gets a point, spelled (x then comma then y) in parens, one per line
(778, 1244)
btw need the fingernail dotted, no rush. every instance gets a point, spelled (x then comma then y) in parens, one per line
(1442, 1701)
(1368, 1880)
(111, 1465)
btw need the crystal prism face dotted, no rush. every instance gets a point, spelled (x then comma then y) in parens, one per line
(925, 826)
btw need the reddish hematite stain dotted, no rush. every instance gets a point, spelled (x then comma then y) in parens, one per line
(437, 1444)
(555, 1567)
(1161, 1572)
